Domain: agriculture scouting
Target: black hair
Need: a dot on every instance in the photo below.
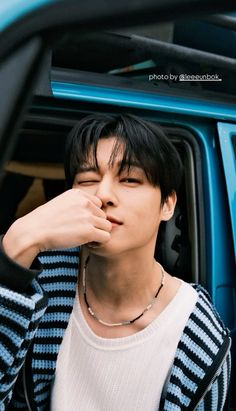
(144, 142)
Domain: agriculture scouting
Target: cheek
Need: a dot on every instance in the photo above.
(89, 189)
(145, 219)
(147, 206)
(148, 215)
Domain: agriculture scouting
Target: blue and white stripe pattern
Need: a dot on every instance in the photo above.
(197, 352)
(23, 319)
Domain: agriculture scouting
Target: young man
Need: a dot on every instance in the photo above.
(123, 334)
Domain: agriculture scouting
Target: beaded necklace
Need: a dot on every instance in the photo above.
(128, 322)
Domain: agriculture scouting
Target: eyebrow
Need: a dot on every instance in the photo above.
(87, 167)
(84, 168)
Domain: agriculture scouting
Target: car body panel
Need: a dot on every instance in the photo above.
(226, 133)
(173, 104)
(12, 10)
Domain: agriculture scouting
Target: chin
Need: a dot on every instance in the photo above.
(104, 250)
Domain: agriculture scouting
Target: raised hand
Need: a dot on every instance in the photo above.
(71, 219)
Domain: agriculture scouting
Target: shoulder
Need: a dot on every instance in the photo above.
(206, 314)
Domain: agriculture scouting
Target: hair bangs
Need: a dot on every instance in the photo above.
(137, 142)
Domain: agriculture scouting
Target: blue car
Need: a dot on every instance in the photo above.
(61, 61)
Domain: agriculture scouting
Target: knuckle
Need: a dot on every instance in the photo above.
(97, 201)
(91, 230)
(86, 202)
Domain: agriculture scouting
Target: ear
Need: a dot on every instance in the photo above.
(168, 207)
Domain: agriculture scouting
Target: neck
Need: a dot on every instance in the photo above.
(120, 283)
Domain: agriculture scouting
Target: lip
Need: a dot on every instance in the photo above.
(114, 221)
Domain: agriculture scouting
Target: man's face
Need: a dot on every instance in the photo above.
(130, 202)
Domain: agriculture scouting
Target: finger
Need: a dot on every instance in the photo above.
(102, 224)
(95, 200)
(100, 236)
(96, 211)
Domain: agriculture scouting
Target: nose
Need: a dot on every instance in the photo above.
(106, 191)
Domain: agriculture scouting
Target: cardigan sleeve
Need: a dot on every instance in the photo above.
(22, 305)
(216, 397)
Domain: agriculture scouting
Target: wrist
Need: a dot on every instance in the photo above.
(19, 244)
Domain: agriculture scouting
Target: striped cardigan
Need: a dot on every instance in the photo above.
(34, 319)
